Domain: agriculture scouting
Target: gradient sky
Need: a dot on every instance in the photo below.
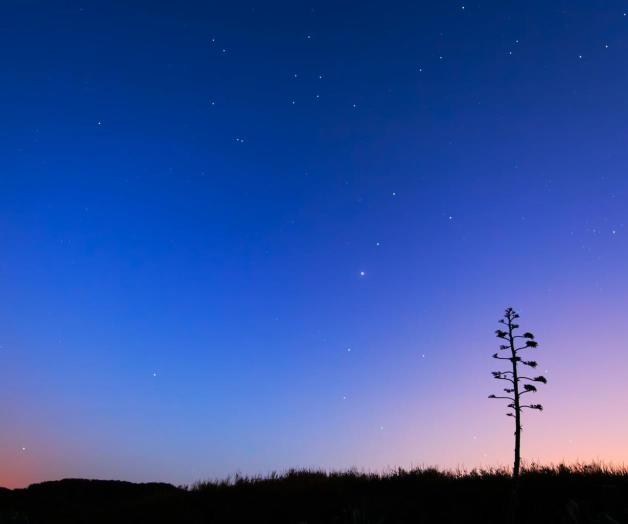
(240, 237)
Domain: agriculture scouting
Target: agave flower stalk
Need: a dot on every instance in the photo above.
(517, 384)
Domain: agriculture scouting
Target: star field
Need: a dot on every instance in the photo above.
(247, 237)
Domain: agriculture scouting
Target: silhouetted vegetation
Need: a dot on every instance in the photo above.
(518, 384)
(579, 494)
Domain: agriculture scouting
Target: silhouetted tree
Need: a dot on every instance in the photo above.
(518, 385)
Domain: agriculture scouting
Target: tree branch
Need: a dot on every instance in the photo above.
(507, 398)
(540, 378)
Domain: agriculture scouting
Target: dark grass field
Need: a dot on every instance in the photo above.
(561, 494)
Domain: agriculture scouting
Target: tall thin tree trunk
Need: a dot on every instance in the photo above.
(514, 499)
(517, 464)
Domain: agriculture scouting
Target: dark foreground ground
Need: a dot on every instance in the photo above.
(582, 494)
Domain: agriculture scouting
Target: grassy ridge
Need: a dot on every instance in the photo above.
(554, 494)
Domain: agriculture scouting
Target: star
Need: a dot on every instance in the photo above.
(362, 273)
(348, 350)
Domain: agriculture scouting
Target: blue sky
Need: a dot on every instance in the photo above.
(203, 206)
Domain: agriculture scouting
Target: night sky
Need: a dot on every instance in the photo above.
(242, 237)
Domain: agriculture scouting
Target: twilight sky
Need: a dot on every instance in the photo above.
(245, 236)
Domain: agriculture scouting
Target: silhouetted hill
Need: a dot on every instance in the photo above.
(584, 494)
(80, 500)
